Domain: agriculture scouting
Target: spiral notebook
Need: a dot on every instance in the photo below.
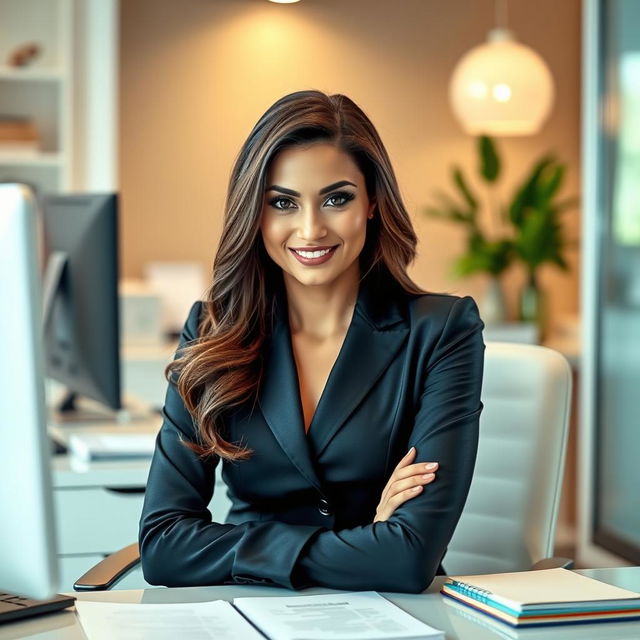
(549, 596)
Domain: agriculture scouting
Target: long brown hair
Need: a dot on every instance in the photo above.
(222, 368)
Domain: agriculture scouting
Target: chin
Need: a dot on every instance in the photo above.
(313, 279)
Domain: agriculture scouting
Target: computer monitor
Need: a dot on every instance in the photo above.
(28, 563)
(81, 298)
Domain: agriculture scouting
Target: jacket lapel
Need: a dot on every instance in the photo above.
(279, 400)
(377, 332)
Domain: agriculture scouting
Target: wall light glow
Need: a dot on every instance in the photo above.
(477, 89)
(502, 92)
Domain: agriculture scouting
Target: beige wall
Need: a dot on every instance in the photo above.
(196, 74)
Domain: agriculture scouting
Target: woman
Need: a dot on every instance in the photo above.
(328, 383)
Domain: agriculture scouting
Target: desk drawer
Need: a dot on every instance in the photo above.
(97, 519)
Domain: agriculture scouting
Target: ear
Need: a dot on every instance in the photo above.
(372, 206)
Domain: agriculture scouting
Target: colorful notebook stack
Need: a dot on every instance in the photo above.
(546, 597)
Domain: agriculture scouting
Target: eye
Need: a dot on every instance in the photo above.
(282, 204)
(339, 199)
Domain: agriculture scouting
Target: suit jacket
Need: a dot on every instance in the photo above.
(409, 373)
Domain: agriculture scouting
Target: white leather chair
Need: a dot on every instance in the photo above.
(509, 520)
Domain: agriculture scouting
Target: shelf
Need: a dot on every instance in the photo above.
(72, 104)
(28, 74)
(41, 159)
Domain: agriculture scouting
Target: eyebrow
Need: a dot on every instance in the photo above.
(330, 187)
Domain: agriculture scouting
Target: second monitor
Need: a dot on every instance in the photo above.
(81, 314)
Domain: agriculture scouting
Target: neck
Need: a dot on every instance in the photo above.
(323, 311)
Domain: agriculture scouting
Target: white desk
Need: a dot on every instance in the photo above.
(429, 607)
(98, 507)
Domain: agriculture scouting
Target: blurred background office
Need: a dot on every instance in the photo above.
(539, 222)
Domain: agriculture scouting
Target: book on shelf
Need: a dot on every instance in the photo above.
(363, 615)
(18, 135)
(19, 149)
(545, 597)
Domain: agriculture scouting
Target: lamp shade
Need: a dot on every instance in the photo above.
(501, 88)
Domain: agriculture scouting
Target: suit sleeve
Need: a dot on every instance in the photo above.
(403, 553)
(179, 543)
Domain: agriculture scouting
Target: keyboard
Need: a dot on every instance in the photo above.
(14, 607)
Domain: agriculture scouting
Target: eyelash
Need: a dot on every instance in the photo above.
(346, 197)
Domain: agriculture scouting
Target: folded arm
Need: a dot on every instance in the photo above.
(179, 543)
(403, 553)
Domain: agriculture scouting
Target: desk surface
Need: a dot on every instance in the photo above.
(429, 606)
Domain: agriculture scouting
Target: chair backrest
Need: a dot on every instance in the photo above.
(509, 520)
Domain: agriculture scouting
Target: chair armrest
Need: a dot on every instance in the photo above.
(110, 570)
(552, 563)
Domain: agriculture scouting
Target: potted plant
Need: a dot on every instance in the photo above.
(528, 230)
(539, 237)
(484, 254)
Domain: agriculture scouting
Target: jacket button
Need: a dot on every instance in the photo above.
(324, 507)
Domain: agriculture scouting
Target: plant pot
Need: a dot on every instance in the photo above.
(493, 309)
(532, 305)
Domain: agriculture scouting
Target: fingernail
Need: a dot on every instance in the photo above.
(428, 476)
(410, 450)
(416, 489)
(431, 466)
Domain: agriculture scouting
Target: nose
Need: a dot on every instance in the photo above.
(311, 225)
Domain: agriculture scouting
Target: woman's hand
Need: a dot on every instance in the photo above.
(406, 482)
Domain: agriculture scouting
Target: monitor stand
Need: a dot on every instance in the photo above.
(76, 413)
(56, 446)
(75, 409)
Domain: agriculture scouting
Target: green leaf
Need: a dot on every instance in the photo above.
(463, 188)
(527, 195)
(435, 213)
(553, 182)
(561, 262)
(452, 210)
(467, 264)
(540, 239)
(447, 214)
(483, 256)
(489, 159)
(531, 240)
(476, 241)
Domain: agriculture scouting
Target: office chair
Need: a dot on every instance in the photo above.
(509, 520)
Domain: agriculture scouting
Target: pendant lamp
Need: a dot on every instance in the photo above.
(501, 87)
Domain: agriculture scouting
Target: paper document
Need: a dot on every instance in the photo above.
(364, 615)
(197, 621)
(350, 616)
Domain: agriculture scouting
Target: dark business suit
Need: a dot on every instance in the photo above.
(409, 374)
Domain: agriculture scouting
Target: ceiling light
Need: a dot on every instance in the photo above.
(501, 87)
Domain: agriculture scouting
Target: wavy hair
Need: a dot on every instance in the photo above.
(222, 368)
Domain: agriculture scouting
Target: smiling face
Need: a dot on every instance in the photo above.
(314, 214)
